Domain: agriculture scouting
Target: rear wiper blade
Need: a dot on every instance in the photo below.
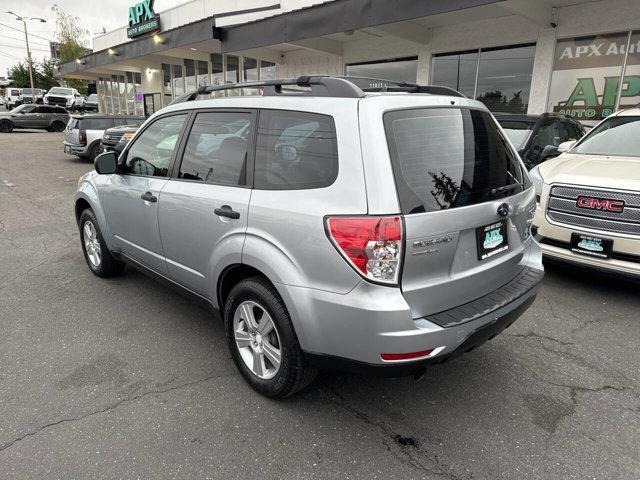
(506, 188)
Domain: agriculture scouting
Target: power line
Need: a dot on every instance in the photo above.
(22, 46)
(11, 56)
(7, 37)
(22, 31)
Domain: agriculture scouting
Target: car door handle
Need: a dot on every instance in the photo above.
(149, 197)
(227, 211)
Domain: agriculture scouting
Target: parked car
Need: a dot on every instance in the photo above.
(589, 211)
(2, 101)
(13, 98)
(340, 229)
(91, 103)
(52, 119)
(116, 138)
(84, 133)
(530, 134)
(62, 97)
(27, 98)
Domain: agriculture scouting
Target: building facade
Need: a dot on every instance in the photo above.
(580, 57)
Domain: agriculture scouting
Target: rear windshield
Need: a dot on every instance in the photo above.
(618, 136)
(517, 131)
(96, 123)
(449, 157)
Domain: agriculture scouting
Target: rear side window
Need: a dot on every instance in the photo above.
(216, 150)
(96, 123)
(295, 150)
(449, 157)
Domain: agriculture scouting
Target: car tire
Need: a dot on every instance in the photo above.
(94, 151)
(57, 126)
(6, 126)
(96, 252)
(258, 330)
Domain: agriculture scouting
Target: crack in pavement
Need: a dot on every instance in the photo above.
(538, 336)
(108, 408)
(404, 454)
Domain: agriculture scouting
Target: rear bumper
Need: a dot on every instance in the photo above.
(74, 149)
(351, 331)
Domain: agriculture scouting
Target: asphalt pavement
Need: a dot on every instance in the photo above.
(124, 378)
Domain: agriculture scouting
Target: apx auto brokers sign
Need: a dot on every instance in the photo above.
(587, 75)
(142, 19)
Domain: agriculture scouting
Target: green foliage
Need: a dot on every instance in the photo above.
(43, 74)
(70, 36)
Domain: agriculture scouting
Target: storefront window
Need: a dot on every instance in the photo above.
(122, 94)
(131, 94)
(137, 87)
(504, 78)
(102, 94)
(457, 71)
(499, 77)
(587, 75)
(267, 70)
(250, 68)
(178, 80)
(217, 71)
(398, 70)
(233, 64)
(190, 75)
(202, 72)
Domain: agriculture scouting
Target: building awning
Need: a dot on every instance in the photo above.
(335, 17)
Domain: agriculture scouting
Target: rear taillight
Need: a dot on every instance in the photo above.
(82, 137)
(372, 245)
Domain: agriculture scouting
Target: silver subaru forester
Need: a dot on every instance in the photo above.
(336, 223)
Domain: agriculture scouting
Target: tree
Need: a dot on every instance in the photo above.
(19, 73)
(70, 36)
(46, 74)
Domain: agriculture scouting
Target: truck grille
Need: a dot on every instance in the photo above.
(111, 138)
(57, 101)
(562, 207)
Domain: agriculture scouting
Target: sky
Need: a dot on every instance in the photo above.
(94, 15)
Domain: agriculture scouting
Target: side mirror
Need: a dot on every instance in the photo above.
(548, 152)
(566, 146)
(106, 163)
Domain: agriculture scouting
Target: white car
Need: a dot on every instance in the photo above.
(13, 97)
(62, 96)
(589, 198)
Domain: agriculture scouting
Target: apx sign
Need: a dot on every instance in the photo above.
(142, 19)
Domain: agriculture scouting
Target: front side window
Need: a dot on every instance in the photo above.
(615, 136)
(449, 157)
(216, 150)
(571, 130)
(548, 134)
(295, 150)
(152, 152)
(24, 109)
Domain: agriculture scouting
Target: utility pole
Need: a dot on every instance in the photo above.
(26, 39)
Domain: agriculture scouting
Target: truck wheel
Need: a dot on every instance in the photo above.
(57, 126)
(96, 252)
(6, 126)
(262, 340)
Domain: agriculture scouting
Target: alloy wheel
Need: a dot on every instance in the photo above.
(92, 244)
(257, 339)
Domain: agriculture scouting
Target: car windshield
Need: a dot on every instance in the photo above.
(619, 136)
(92, 98)
(517, 131)
(61, 91)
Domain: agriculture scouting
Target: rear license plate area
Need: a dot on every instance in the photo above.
(492, 239)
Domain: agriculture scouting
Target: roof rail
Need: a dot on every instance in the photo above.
(367, 84)
(323, 86)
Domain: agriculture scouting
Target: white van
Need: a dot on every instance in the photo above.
(13, 98)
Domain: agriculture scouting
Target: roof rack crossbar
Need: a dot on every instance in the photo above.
(324, 86)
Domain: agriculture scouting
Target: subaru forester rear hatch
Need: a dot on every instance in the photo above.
(466, 204)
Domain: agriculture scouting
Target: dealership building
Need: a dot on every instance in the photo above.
(580, 57)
